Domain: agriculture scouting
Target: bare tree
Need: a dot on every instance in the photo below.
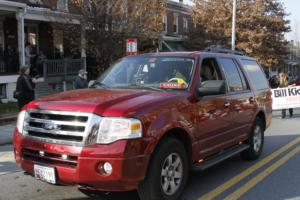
(108, 23)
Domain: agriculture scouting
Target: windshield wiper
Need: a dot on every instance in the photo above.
(98, 84)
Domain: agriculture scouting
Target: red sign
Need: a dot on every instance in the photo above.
(172, 86)
(131, 46)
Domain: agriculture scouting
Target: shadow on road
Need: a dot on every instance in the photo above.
(8, 167)
(111, 196)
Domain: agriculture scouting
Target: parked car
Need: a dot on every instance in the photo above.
(146, 122)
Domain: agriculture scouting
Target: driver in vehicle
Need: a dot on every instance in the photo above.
(206, 73)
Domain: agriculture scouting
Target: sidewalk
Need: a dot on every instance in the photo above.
(6, 133)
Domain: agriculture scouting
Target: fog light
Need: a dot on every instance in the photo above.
(64, 156)
(104, 168)
(107, 168)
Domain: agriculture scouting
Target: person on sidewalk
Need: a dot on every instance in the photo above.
(284, 82)
(81, 80)
(25, 87)
(274, 82)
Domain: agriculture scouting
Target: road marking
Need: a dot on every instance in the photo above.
(255, 180)
(234, 180)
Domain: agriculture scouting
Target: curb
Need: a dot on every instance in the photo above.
(8, 142)
(8, 119)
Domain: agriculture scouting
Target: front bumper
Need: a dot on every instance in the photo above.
(83, 168)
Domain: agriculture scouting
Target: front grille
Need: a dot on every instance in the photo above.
(54, 136)
(61, 117)
(57, 126)
(49, 158)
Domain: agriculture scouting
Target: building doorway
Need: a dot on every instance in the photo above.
(32, 36)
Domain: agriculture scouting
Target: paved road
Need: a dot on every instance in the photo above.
(274, 176)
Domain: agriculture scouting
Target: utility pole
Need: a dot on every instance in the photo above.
(233, 32)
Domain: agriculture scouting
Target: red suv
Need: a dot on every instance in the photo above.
(146, 122)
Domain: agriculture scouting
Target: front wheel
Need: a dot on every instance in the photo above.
(167, 173)
(255, 141)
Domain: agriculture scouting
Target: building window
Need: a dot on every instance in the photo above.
(31, 34)
(185, 25)
(165, 23)
(2, 91)
(62, 5)
(175, 23)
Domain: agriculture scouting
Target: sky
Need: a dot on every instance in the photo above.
(293, 8)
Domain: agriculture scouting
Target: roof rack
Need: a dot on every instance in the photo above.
(221, 50)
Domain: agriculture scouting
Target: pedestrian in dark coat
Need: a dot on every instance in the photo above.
(81, 80)
(274, 82)
(25, 87)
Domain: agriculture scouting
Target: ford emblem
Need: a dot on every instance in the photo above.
(50, 126)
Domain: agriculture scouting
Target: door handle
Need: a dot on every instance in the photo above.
(251, 100)
(226, 105)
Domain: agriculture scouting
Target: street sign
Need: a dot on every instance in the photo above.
(131, 46)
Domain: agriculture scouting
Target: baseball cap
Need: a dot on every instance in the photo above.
(82, 72)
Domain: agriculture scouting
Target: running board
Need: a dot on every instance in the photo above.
(224, 155)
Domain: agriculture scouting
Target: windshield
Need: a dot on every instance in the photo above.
(156, 73)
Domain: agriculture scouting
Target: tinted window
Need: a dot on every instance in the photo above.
(256, 74)
(242, 75)
(232, 74)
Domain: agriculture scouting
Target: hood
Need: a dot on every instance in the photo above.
(105, 102)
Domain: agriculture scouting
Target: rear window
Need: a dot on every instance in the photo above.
(256, 75)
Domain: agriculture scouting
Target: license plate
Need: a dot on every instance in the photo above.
(44, 173)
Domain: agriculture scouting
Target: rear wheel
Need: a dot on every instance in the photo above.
(167, 173)
(255, 141)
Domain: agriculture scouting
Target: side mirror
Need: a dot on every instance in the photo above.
(212, 87)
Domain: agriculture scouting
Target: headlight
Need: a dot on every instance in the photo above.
(20, 121)
(113, 129)
(110, 129)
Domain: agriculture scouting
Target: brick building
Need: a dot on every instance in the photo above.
(176, 25)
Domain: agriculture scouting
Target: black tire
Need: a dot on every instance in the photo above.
(254, 151)
(151, 187)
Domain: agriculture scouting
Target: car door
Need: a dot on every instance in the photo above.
(212, 115)
(241, 99)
